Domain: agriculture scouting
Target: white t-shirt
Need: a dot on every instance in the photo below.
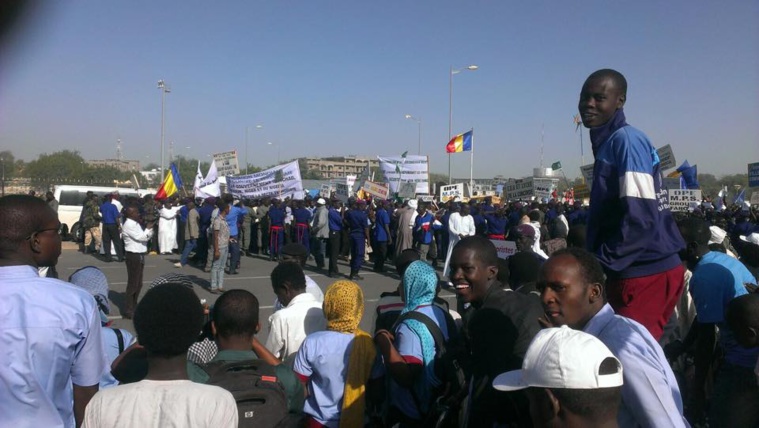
(289, 326)
(162, 404)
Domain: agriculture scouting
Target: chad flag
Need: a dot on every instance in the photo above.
(460, 143)
(171, 184)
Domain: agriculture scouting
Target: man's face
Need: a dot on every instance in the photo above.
(599, 100)
(567, 300)
(284, 295)
(45, 241)
(524, 243)
(470, 276)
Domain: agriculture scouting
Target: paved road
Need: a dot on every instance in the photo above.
(253, 276)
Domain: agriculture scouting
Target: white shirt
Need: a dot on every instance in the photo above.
(289, 326)
(135, 239)
(118, 204)
(312, 288)
(458, 225)
(159, 404)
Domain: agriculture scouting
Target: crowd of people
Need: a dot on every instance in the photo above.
(617, 314)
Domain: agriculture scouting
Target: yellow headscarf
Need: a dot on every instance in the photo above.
(344, 308)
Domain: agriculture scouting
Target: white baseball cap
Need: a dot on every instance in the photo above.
(752, 238)
(321, 201)
(562, 358)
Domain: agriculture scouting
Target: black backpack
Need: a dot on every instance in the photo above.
(260, 396)
(449, 367)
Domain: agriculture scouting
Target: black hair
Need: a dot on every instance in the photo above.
(503, 272)
(296, 250)
(590, 268)
(405, 258)
(168, 319)
(534, 215)
(744, 310)
(20, 216)
(694, 229)
(592, 403)
(221, 205)
(524, 268)
(235, 313)
(486, 251)
(228, 198)
(619, 80)
(290, 274)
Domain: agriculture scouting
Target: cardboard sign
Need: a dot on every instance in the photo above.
(671, 183)
(587, 174)
(521, 188)
(543, 188)
(680, 200)
(325, 191)
(342, 192)
(582, 191)
(753, 174)
(408, 190)
(666, 157)
(754, 198)
(451, 192)
(505, 249)
(226, 163)
(425, 198)
(377, 190)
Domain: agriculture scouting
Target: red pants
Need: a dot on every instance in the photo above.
(649, 300)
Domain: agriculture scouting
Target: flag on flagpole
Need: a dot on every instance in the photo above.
(577, 121)
(171, 184)
(198, 180)
(556, 165)
(460, 143)
(398, 165)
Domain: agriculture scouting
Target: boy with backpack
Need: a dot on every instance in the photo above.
(268, 394)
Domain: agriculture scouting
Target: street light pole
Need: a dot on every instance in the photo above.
(450, 107)
(278, 149)
(164, 90)
(246, 146)
(2, 160)
(418, 122)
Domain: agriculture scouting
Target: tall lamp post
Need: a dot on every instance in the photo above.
(246, 146)
(2, 160)
(164, 90)
(418, 122)
(450, 107)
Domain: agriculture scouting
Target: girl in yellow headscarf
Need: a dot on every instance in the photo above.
(336, 364)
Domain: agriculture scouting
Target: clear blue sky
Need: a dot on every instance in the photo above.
(329, 78)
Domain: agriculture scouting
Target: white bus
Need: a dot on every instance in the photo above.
(71, 199)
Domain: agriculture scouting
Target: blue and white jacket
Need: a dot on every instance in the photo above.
(630, 227)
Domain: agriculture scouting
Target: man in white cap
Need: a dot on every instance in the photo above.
(572, 380)
(320, 232)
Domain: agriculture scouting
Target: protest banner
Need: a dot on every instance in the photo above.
(666, 157)
(754, 198)
(281, 181)
(325, 191)
(377, 190)
(505, 249)
(451, 191)
(582, 191)
(226, 163)
(359, 181)
(413, 169)
(342, 192)
(680, 200)
(753, 174)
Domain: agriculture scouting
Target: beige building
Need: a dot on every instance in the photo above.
(336, 167)
(121, 165)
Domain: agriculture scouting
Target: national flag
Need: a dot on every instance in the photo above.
(460, 143)
(171, 184)
(556, 165)
(577, 121)
(398, 166)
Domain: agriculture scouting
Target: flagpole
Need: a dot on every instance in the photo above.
(471, 166)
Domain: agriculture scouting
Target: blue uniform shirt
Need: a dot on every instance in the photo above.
(301, 215)
(382, 219)
(357, 220)
(335, 220)
(276, 216)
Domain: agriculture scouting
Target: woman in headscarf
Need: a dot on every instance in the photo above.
(409, 353)
(336, 364)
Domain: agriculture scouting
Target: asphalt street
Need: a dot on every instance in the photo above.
(253, 276)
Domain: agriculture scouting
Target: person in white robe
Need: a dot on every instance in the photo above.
(167, 228)
(460, 225)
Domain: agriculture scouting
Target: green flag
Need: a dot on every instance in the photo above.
(404, 154)
(556, 165)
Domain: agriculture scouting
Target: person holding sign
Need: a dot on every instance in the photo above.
(630, 227)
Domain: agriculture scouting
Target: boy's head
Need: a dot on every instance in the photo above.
(235, 314)
(168, 320)
(288, 280)
(743, 319)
